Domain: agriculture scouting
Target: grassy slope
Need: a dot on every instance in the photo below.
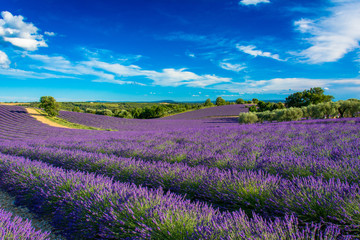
(66, 123)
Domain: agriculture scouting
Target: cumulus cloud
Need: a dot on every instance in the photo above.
(232, 67)
(24, 35)
(251, 50)
(253, 2)
(333, 36)
(4, 60)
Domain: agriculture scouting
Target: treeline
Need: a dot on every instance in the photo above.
(154, 111)
(348, 108)
(126, 110)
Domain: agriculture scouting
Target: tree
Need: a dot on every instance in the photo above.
(208, 103)
(349, 108)
(305, 98)
(50, 106)
(255, 100)
(253, 108)
(240, 101)
(220, 101)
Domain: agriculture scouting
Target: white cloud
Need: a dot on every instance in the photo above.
(24, 35)
(253, 2)
(22, 74)
(110, 72)
(333, 36)
(4, 60)
(167, 77)
(51, 34)
(232, 67)
(288, 85)
(250, 49)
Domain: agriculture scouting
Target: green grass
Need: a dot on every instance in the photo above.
(66, 123)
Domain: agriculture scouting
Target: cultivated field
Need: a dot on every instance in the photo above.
(183, 178)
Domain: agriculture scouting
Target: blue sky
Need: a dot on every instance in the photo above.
(187, 50)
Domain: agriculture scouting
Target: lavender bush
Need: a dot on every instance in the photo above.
(14, 227)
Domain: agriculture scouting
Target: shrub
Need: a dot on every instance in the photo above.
(289, 114)
(122, 114)
(90, 110)
(248, 117)
(106, 112)
(266, 116)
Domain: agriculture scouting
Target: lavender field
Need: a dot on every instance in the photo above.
(183, 178)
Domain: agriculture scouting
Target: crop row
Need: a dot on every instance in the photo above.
(92, 206)
(291, 151)
(312, 199)
(14, 227)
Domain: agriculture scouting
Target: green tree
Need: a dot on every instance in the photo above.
(220, 101)
(349, 108)
(253, 108)
(305, 98)
(255, 100)
(240, 101)
(208, 103)
(50, 106)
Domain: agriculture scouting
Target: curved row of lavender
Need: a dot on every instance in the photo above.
(16, 123)
(122, 124)
(89, 206)
(218, 111)
(14, 227)
(309, 170)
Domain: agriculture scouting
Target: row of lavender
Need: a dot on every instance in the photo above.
(330, 150)
(14, 227)
(87, 206)
(122, 124)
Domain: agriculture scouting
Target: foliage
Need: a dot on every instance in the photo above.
(288, 114)
(220, 101)
(122, 114)
(255, 100)
(134, 109)
(208, 103)
(248, 117)
(266, 106)
(90, 110)
(305, 98)
(50, 106)
(349, 108)
(76, 109)
(106, 112)
(240, 101)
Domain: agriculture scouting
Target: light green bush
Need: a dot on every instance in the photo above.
(248, 117)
